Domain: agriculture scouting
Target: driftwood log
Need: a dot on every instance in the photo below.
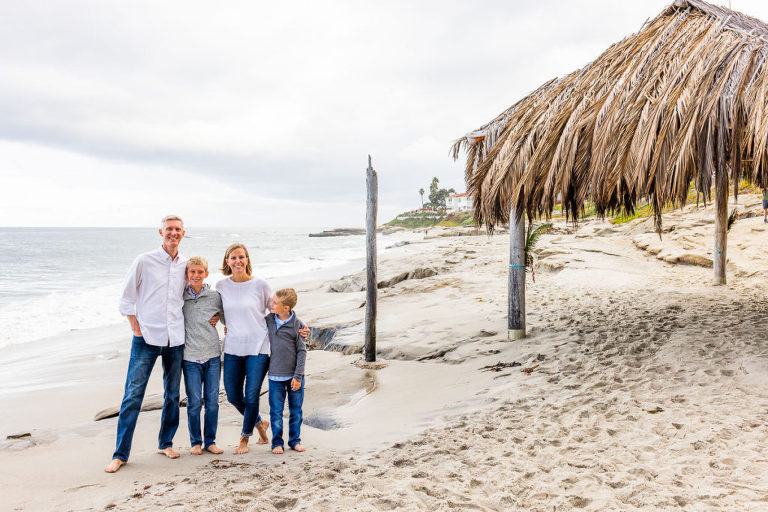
(151, 402)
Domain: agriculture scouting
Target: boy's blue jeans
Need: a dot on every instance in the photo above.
(278, 389)
(201, 381)
(143, 357)
(243, 376)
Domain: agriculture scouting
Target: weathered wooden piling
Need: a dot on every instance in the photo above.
(516, 313)
(372, 185)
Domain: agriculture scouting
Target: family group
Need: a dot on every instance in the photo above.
(173, 315)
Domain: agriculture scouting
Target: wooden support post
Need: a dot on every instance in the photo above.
(516, 315)
(721, 220)
(372, 184)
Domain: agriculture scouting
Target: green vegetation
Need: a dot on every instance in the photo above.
(531, 238)
(457, 219)
(427, 219)
(641, 212)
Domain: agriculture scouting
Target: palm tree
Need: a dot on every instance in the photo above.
(421, 193)
(531, 238)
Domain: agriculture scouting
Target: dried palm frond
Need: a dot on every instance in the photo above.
(654, 113)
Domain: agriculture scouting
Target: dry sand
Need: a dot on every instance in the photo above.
(650, 390)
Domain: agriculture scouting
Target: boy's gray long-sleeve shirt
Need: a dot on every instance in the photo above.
(289, 352)
(201, 339)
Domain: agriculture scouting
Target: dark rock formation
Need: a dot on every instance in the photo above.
(339, 232)
(356, 282)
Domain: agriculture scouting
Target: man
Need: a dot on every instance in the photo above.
(152, 301)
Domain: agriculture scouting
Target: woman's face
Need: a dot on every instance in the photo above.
(237, 261)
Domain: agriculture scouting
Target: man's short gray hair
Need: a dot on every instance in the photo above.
(171, 217)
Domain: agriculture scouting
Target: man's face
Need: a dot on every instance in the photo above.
(172, 233)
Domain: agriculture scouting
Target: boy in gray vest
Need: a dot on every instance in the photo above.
(286, 369)
(202, 356)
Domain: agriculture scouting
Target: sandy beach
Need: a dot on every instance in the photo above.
(646, 388)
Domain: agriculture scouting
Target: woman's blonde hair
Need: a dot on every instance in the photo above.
(226, 269)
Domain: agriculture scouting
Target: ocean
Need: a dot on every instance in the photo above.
(54, 280)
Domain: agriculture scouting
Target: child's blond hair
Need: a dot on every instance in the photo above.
(197, 260)
(287, 296)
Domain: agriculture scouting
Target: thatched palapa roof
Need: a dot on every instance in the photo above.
(665, 107)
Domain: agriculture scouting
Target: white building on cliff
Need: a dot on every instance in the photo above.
(459, 203)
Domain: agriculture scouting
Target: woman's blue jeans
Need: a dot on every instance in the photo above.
(143, 357)
(243, 376)
(201, 381)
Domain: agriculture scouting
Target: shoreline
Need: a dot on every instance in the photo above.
(644, 390)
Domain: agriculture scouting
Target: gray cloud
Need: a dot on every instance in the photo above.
(261, 94)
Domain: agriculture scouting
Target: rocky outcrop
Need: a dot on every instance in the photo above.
(350, 283)
(419, 273)
(339, 232)
(671, 252)
(356, 282)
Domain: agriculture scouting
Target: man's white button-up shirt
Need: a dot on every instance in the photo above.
(154, 292)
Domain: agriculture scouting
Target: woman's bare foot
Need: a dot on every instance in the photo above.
(215, 449)
(169, 452)
(196, 450)
(277, 450)
(242, 447)
(262, 429)
(299, 448)
(114, 466)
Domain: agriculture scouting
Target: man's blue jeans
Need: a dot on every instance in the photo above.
(277, 391)
(243, 376)
(201, 381)
(142, 360)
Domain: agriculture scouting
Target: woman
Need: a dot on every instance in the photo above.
(246, 344)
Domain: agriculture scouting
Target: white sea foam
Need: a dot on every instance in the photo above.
(59, 312)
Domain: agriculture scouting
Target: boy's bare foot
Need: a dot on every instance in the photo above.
(114, 466)
(215, 449)
(242, 447)
(299, 448)
(196, 450)
(169, 452)
(277, 450)
(262, 429)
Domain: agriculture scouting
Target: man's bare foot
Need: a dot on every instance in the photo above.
(299, 448)
(277, 450)
(262, 429)
(196, 450)
(242, 447)
(169, 452)
(114, 466)
(215, 449)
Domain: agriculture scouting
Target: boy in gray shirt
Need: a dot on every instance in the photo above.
(286, 369)
(202, 356)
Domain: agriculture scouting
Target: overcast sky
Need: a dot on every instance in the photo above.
(260, 113)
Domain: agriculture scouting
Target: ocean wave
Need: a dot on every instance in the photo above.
(59, 312)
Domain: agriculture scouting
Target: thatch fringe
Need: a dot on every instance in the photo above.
(653, 114)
